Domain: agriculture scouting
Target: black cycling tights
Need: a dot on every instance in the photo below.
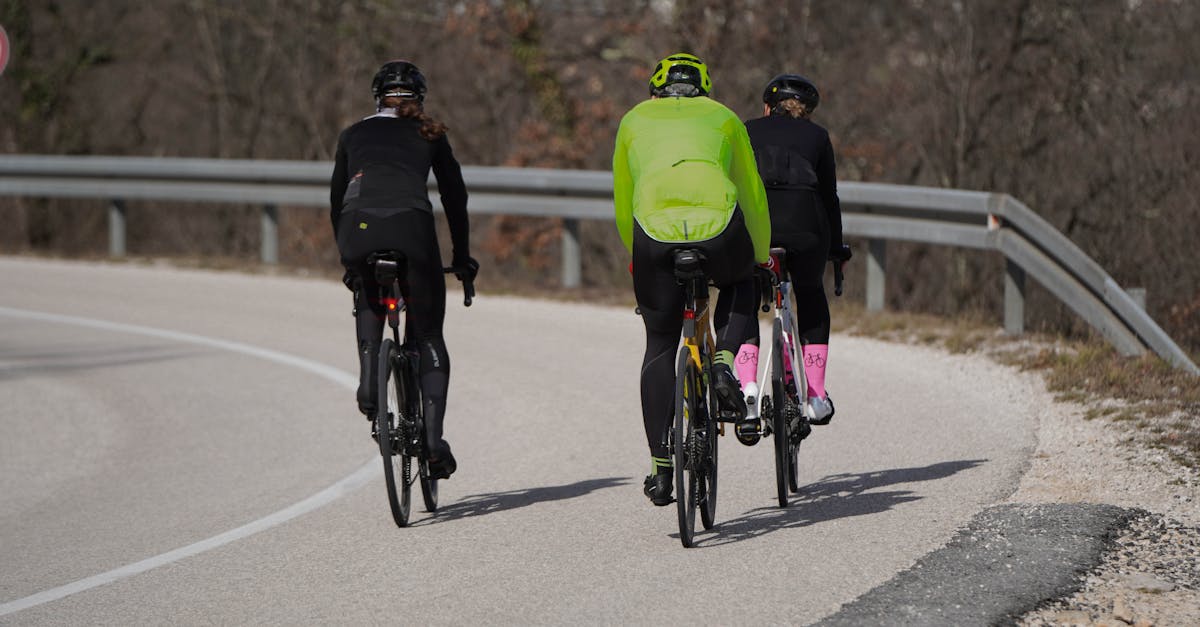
(806, 267)
(799, 224)
(424, 288)
(660, 298)
(733, 318)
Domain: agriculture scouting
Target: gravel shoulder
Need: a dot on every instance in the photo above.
(1149, 575)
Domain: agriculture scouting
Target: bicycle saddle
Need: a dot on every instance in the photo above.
(388, 264)
(689, 264)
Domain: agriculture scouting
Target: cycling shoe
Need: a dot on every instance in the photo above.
(657, 488)
(441, 462)
(820, 410)
(729, 392)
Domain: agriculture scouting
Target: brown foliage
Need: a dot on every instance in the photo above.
(1083, 109)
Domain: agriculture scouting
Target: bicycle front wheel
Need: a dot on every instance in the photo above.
(683, 442)
(391, 432)
(779, 417)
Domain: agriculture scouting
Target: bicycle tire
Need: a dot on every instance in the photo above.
(390, 434)
(708, 477)
(779, 417)
(429, 487)
(795, 407)
(682, 441)
(416, 412)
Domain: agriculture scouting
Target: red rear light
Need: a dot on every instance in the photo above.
(688, 314)
(391, 304)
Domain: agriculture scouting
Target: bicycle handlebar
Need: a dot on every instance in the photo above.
(468, 283)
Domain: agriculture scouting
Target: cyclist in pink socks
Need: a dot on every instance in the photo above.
(795, 161)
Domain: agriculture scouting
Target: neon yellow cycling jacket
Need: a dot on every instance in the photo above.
(680, 166)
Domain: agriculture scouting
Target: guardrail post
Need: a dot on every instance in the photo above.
(116, 228)
(1014, 298)
(876, 273)
(270, 234)
(571, 258)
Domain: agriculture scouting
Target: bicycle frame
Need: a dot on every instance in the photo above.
(794, 352)
(697, 327)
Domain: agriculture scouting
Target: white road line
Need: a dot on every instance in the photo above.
(343, 487)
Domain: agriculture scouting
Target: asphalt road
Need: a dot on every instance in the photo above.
(182, 446)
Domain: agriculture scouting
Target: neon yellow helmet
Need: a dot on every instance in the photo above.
(680, 70)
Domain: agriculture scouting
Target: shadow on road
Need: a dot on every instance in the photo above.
(480, 504)
(831, 498)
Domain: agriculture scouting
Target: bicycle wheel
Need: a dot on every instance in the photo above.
(798, 427)
(416, 409)
(429, 487)
(683, 441)
(779, 417)
(390, 431)
(707, 427)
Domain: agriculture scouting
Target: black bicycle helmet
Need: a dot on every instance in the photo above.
(398, 78)
(794, 86)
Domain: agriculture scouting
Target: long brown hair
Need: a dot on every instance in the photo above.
(431, 129)
(790, 107)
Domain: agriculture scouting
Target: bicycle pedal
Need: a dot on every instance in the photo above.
(747, 432)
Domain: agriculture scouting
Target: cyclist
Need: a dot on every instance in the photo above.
(379, 202)
(795, 161)
(684, 175)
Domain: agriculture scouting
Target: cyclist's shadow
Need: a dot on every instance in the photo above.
(833, 497)
(480, 504)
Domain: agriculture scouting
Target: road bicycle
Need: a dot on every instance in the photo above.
(786, 413)
(399, 418)
(693, 436)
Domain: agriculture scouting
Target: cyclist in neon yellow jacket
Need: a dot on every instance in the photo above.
(684, 176)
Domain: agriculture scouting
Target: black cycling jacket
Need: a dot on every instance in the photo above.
(383, 162)
(796, 154)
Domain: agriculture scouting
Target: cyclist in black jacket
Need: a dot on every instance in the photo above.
(795, 160)
(378, 201)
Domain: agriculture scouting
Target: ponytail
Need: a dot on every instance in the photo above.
(431, 128)
(790, 107)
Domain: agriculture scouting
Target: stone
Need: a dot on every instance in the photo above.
(1072, 617)
(1121, 611)
(1143, 582)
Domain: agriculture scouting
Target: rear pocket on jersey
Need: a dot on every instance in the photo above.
(780, 166)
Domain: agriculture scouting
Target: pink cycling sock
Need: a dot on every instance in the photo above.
(747, 364)
(815, 357)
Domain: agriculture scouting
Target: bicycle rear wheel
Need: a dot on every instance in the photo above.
(391, 433)
(683, 437)
(707, 429)
(779, 418)
(798, 427)
(415, 412)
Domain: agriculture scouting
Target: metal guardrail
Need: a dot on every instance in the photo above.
(878, 212)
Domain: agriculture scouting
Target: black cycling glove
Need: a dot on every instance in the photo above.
(466, 263)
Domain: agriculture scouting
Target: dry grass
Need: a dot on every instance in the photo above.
(1161, 402)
